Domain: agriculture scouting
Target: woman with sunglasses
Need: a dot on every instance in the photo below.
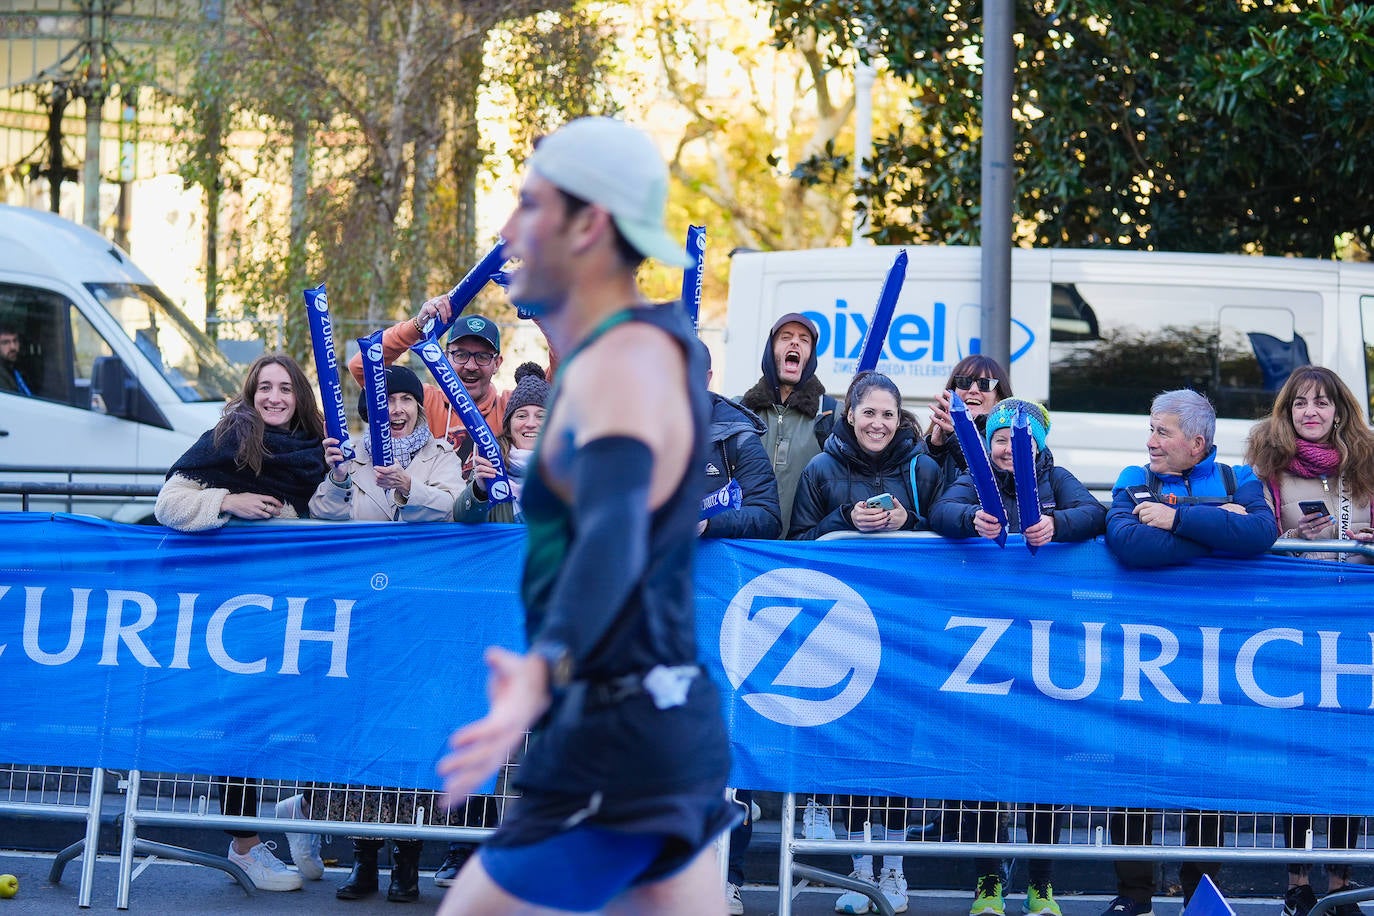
(981, 382)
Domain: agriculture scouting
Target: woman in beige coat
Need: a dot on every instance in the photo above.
(420, 487)
(1315, 446)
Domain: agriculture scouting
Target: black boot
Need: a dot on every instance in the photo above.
(362, 880)
(405, 874)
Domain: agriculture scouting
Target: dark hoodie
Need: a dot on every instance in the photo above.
(796, 428)
(845, 473)
(737, 452)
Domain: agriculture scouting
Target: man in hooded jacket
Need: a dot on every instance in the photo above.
(793, 404)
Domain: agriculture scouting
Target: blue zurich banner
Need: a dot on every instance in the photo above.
(919, 667)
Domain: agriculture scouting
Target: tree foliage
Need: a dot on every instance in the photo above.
(1175, 124)
(346, 136)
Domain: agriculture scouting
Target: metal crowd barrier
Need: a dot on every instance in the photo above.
(935, 827)
(923, 827)
(333, 809)
(63, 483)
(64, 794)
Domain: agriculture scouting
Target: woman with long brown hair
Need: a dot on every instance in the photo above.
(262, 460)
(1316, 446)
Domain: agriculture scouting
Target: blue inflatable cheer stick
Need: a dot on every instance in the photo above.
(976, 456)
(882, 315)
(461, 296)
(432, 355)
(691, 277)
(327, 367)
(378, 407)
(1023, 469)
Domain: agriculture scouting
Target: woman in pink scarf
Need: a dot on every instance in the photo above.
(1317, 446)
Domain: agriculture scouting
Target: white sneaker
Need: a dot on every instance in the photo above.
(266, 871)
(733, 904)
(853, 901)
(816, 823)
(893, 886)
(305, 847)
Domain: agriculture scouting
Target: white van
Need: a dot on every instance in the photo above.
(1095, 334)
(118, 377)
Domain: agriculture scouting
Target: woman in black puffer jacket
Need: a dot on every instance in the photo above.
(876, 450)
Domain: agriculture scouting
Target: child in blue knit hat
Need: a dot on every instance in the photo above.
(1068, 512)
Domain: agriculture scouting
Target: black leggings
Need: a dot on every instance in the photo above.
(238, 795)
(1341, 833)
(981, 822)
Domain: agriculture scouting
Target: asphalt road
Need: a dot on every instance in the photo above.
(183, 890)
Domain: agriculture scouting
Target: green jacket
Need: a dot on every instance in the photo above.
(796, 432)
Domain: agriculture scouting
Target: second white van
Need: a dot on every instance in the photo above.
(1095, 334)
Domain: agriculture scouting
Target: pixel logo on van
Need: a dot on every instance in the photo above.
(912, 338)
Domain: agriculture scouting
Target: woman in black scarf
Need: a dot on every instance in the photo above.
(263, 459)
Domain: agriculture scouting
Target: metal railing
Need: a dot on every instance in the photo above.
(62, 794)
(1002, 831)
(332, 809)
(63, 482)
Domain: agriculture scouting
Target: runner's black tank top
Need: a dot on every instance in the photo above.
(655, 625)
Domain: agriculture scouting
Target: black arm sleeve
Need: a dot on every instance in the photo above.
(610, 543)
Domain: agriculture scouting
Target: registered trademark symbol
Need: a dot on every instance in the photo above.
(380, 581)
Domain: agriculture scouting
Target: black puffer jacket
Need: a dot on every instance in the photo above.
(843, 474)
(950, 455)
(1077, 515)
(737, 451)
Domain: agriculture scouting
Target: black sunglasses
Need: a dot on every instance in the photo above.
(967, 382)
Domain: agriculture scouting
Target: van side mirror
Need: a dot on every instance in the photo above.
(112, 384)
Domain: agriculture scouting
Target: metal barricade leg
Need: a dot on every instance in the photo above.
(92, 851)
(87, 847)
(789, 807)
(126, 841)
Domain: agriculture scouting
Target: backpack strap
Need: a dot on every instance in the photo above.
(825, 419)
(1228, 480)
(1228, 477)
(915, 493)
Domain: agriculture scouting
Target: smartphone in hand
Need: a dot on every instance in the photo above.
(881, 501)
(1309, 506)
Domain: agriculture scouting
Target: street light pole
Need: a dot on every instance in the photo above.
(94, 92)
(864, 75)
(998, 182)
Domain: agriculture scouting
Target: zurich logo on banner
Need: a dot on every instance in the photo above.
(322, 302)
(374, 352)
(801, 647)
(432, 351)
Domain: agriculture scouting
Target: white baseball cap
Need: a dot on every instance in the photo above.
(617, 167)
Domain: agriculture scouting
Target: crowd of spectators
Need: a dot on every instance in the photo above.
(808, 465)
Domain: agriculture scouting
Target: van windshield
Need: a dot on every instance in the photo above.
(190, 362)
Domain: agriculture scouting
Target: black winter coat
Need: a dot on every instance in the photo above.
(1077, 515)
(844, 473)
(737, 451)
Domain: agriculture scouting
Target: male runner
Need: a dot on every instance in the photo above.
(622, 787)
